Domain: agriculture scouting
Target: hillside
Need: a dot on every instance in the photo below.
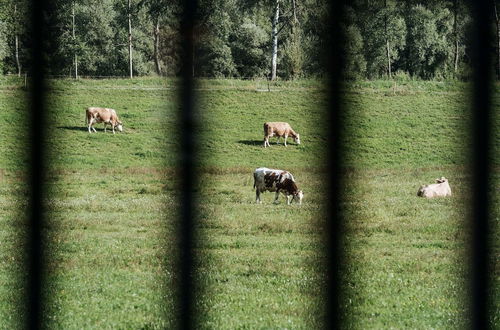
(112, 205)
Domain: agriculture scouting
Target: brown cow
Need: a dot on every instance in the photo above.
(279, 129)
(103, 115)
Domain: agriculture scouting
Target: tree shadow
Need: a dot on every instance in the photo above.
(251, 142)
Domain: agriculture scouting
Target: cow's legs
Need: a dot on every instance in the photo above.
(91, 122)
(286, 137)
(257, 196)
(289, 199)
(276, 197)
(278, 140)
(113, 126)
(266, 141)
(105, 126)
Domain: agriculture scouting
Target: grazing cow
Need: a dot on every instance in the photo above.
(266, 179)
(279, 129)
(439, 189)
(103, 115)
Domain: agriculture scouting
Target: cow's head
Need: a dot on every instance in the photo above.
(297, 139)
(297, 197)
(441, 179)
(120, 126)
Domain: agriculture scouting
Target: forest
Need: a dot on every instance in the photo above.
(276, 39)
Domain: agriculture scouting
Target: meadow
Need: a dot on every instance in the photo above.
(110, 233)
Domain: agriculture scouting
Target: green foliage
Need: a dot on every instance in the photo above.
(14, 19)
(233, 38)
(215, 59)
(355, 63)
(249, 49)
(292, 62)
(380, 25)
(427, 51)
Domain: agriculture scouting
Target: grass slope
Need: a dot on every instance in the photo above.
(112, 207)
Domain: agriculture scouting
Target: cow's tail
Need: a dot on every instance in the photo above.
(254, 180)
(86, 116)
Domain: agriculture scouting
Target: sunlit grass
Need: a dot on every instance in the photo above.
(112, 203)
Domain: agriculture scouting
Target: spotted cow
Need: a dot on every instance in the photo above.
(278, 181)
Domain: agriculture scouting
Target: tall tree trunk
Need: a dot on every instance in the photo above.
(275, 40)
(130, 41)
(497, 21)
(156, 33)
(17, 57)
(74, 39)
(389, 69)
(16, 37)
(387, 45)
(455, 35)
(294, 11)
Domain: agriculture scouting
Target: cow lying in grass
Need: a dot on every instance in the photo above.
(103, 115)
(280, 181)
(279, 129)
(439, 189)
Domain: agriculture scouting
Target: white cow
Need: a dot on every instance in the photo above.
(103, 115)
(279, 129)
(439, 189)
(280, 181)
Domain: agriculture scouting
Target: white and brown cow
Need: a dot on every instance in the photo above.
(279, 129)
(439, 189)
(279, 181)
(103, 115)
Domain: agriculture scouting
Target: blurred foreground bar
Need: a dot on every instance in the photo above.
(186, 170)
(334, 218)
(34, 246)
(481, 109)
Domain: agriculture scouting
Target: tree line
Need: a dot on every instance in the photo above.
(283, 39)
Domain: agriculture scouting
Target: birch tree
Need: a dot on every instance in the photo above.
(497, 25)
(387, 44)
(455, 35)
(274, 38)
(129, 15)
(17, 25)
(73, 28)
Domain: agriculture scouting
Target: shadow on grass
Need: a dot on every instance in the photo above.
(75, 128)
(251, 142)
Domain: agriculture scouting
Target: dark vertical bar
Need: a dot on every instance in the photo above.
(36, 137)
(334, 219)
(483, 69)
(187, 160)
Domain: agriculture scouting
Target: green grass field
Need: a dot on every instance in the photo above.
(112, 206)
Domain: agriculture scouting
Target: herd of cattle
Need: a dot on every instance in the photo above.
(265, 179)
